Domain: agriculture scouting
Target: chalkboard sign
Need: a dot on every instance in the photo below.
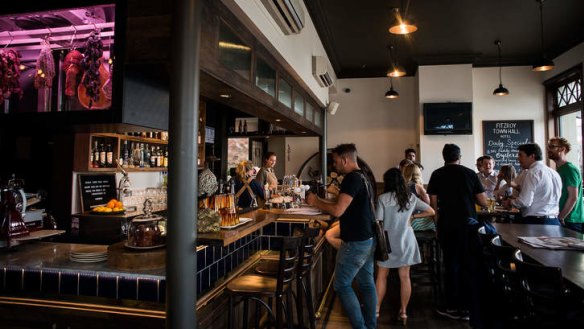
(501, 139)
(96, 189)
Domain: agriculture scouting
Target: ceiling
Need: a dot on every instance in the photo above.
(356, 38)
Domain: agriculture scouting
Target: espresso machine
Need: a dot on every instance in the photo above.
(12, 204)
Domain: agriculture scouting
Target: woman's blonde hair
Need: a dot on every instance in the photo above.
(412, 173)
(242, 168)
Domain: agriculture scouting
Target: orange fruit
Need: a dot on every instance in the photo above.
(119, 204)
(111, 204)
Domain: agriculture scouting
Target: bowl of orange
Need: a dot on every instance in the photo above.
(113, 207)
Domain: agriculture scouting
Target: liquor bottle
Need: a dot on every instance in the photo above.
(125, 154)
(153, 157)
(141, 150)
(245, 126)
(146, 156)
(95, 155)
(240, 127)
(131, 155)
(165, 162)
(109, 156)
(102, 156)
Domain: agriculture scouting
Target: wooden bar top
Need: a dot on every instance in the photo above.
(228, 236)
(298, 213)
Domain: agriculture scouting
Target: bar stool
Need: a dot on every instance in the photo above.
(303, 275)
(428, 271)
(256, 287)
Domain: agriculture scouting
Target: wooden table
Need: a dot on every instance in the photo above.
(570, 261)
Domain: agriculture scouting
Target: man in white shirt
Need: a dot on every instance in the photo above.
(487, 175)
(540, 190)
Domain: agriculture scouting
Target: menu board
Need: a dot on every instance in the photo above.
(501, 139)
(96, 189)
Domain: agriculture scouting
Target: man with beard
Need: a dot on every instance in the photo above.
(571, 200)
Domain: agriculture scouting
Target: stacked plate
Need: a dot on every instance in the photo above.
(88, 254)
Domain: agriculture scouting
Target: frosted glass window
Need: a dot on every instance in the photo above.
(298, 104)
(265, 77)
(309, 112)
(285, 93)
(234, 53)
(318, 118)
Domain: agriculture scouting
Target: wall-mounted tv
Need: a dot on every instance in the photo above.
(447, 118)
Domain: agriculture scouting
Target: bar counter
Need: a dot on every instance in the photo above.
(41, 274)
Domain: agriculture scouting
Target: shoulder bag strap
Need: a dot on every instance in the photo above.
(369, 193)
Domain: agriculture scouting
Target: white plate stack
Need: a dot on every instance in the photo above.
(88, 254)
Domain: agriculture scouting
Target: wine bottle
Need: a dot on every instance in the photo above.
(102, 156)
(95, 157)
(109, 156)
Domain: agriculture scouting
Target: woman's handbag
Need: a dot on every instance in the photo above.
(382, 247)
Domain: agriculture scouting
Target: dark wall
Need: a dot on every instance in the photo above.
(45, 161)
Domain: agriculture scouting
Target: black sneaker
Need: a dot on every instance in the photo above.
(451, 314)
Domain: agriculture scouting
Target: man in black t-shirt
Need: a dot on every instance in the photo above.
(355, 256)
(453, 191)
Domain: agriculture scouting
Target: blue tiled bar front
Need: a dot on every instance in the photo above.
(43, 271)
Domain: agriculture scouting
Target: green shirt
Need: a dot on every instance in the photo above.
(571, 176)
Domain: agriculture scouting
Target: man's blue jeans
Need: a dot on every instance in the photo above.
(355, 261)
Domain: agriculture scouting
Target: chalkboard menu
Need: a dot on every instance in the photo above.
(96, 189)
(501, 139)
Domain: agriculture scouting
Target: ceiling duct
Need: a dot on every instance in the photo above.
(320, 71)
(288, 14)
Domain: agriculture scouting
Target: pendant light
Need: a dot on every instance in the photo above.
(401, 25)
(543, 63)
(391, 93)
(395, 70)
(501, 91)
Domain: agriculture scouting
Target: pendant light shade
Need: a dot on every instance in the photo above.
(391, 93)
(500, 91)
(401, 25)
(395, 70)
(543, 63)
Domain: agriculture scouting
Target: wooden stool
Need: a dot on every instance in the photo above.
(256, 287)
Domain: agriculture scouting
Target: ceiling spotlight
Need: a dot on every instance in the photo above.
(391, 93)
(401, 25)
(501, 91)
(543, 63)
(225, 95)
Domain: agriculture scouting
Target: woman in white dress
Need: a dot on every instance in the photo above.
(397, 206)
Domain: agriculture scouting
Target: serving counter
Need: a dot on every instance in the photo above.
(41, 277)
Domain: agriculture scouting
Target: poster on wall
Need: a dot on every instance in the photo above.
(502, 137)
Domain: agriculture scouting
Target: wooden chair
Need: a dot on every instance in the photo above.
(303, 275)
(275, 288)
(550, 302)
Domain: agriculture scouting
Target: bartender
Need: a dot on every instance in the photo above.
(266, 174)
(248, 191)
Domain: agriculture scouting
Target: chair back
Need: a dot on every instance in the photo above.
(306, 251)
(288, 261)
(539, 281)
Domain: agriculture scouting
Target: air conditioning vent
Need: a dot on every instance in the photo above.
(288, 14)
(320, 71)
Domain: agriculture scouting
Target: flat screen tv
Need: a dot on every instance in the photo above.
(447, 118)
